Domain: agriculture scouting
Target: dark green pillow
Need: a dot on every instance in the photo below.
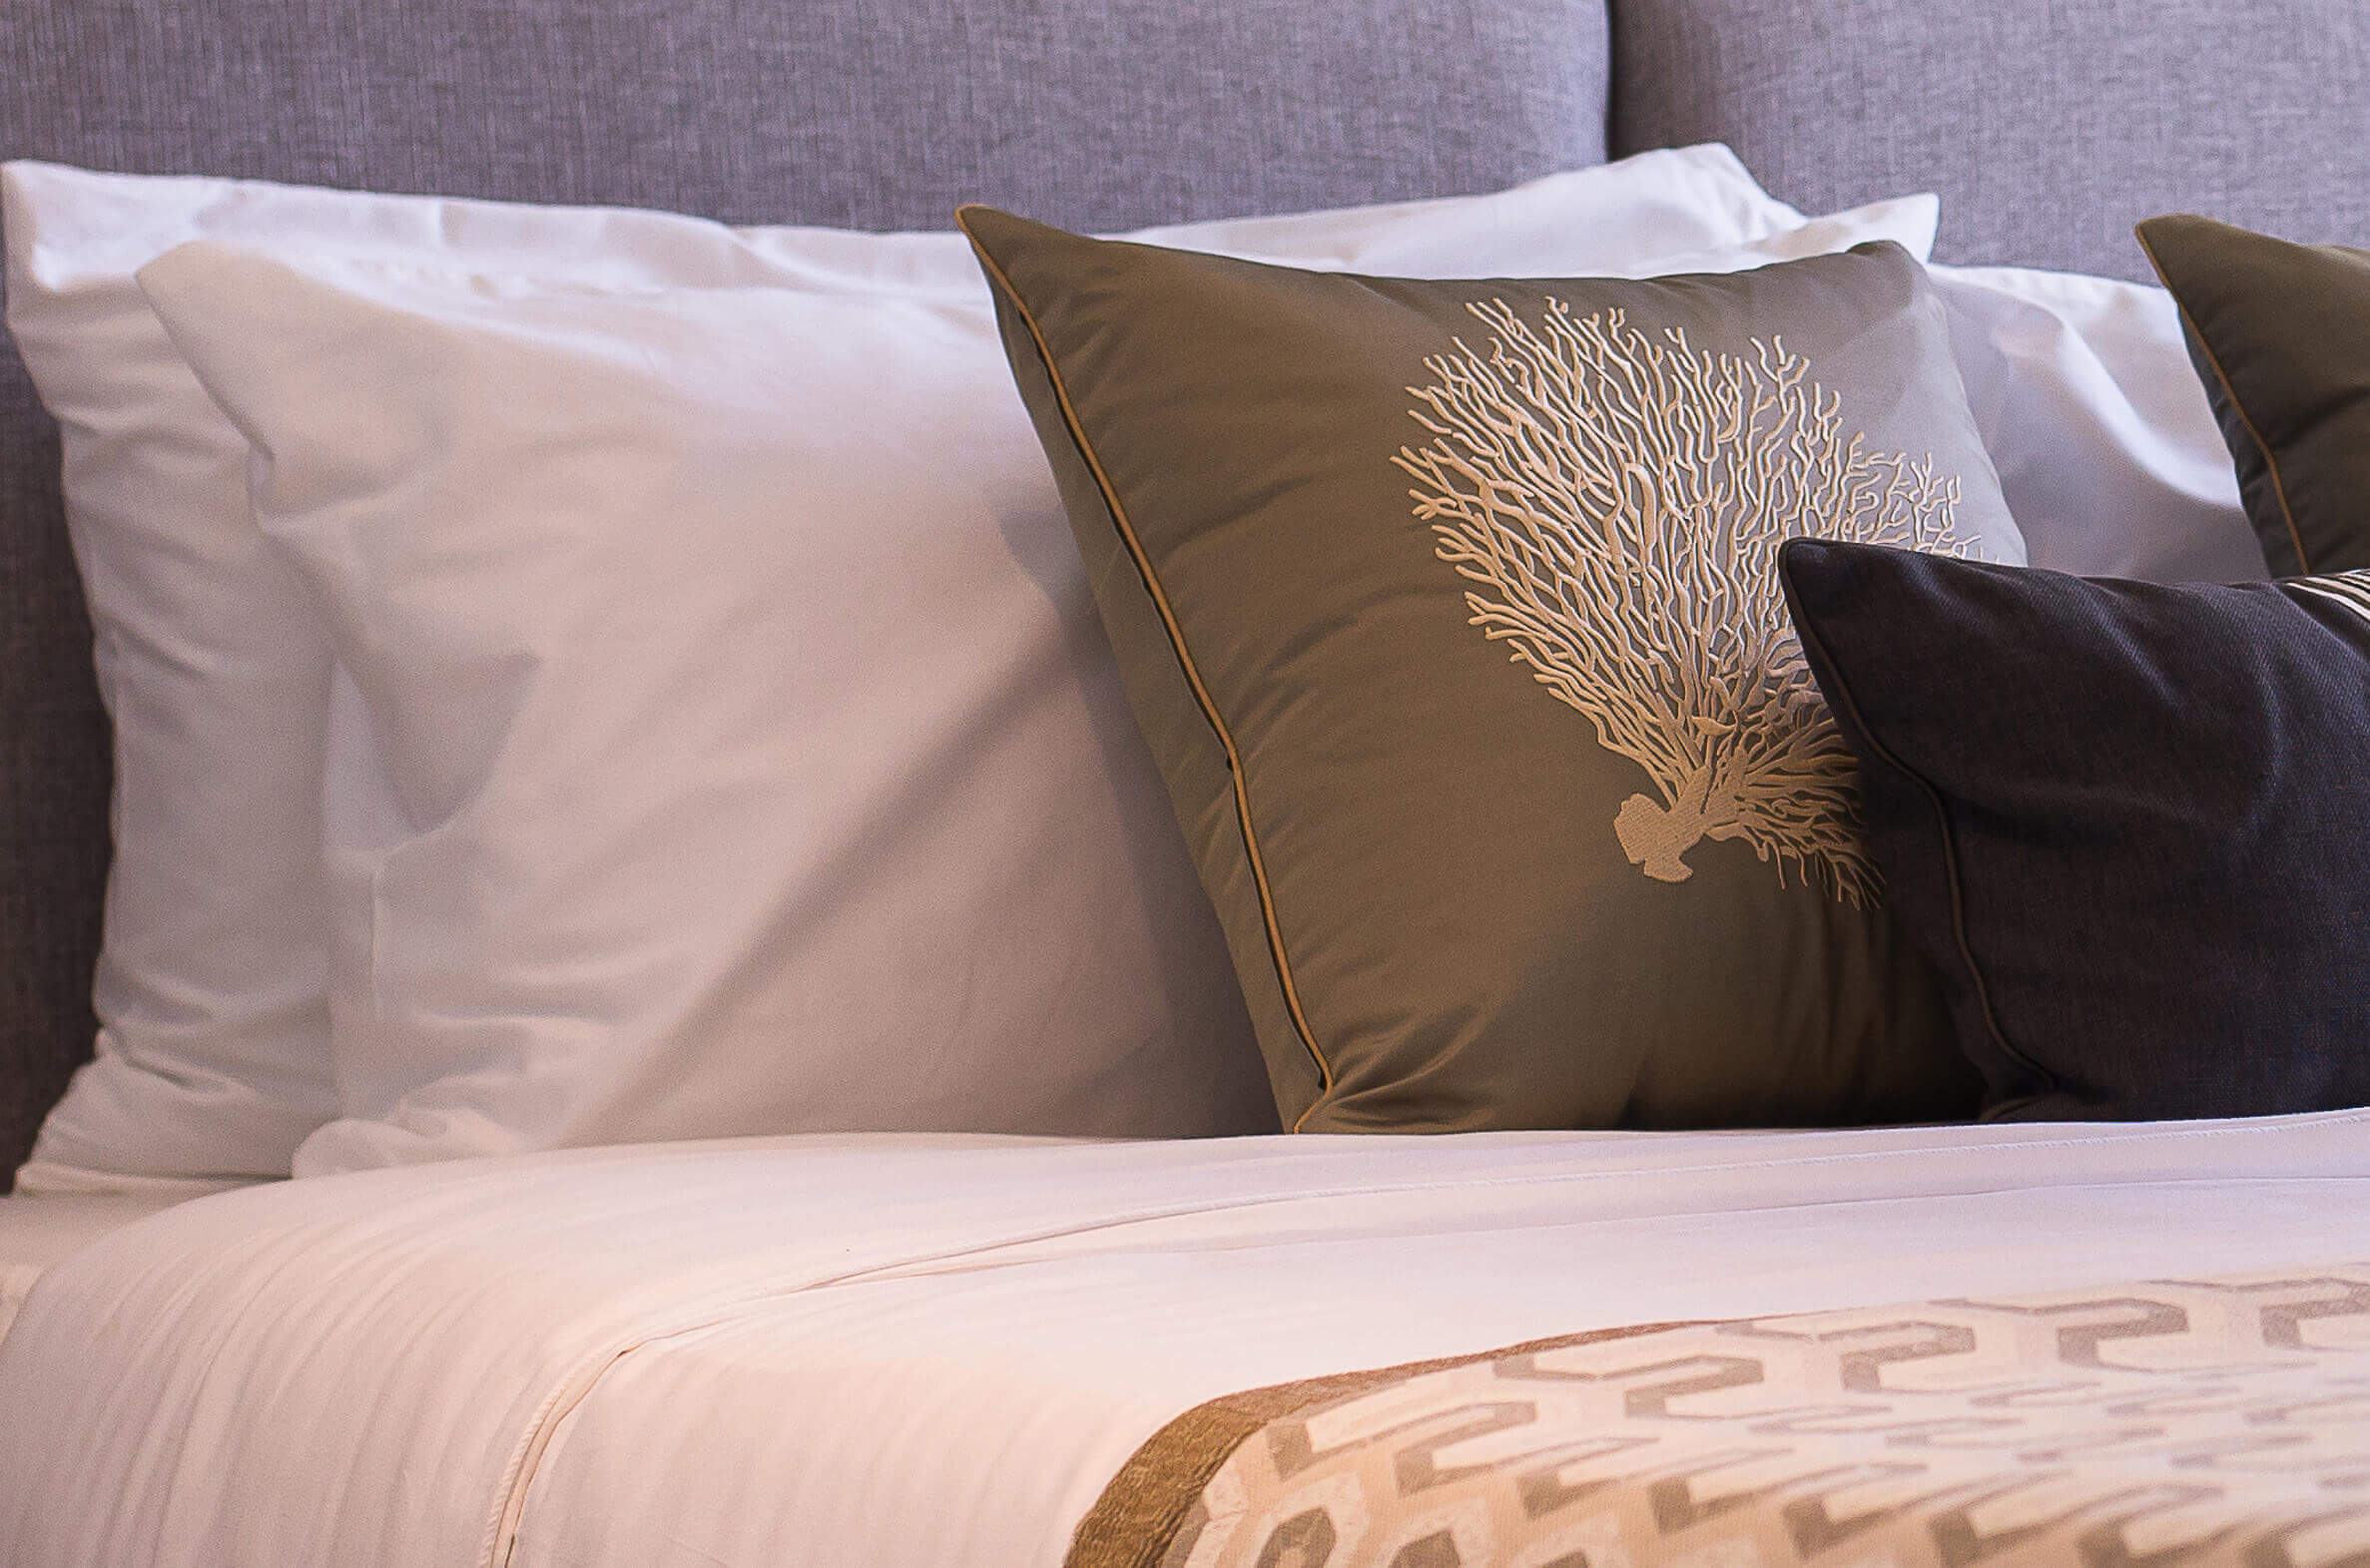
(1451, 612)
(2280, 334)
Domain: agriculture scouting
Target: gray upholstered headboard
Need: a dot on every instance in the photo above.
(2049, 127)
(866, 113)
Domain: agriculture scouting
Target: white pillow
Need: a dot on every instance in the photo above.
(213, 1052)
(2107, 449)
(730, 744)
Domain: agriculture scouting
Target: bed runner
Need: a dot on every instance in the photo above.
(2221, 1420)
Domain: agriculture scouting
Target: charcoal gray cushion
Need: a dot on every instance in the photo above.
(2049, 127)
(2123, 820)
(1104, 112)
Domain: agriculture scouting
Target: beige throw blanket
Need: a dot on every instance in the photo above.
(2183, 1421)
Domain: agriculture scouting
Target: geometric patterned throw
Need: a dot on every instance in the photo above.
(2175, 1422)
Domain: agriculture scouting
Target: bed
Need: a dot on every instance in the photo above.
(1119, 1314)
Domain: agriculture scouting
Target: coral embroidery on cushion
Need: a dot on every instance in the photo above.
(1618, 497)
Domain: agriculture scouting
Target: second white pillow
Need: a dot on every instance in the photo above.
(2108, 451)
(701, 703)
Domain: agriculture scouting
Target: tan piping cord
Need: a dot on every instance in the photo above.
(2279, 489)
(1201, 694)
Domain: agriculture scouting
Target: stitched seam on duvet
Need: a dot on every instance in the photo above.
(518, 1475)
(987, 1258)
(1123, 1222)
(1547, 1179)
(501, 1542)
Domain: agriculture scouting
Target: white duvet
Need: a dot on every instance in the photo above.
(898, 1353)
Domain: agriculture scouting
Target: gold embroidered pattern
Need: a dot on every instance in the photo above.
(1618, 497)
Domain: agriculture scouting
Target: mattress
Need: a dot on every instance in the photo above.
(900, 1353)
(36, 1231)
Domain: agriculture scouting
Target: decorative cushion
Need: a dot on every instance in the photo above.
(2123, 818)
(2280, 334)
(703, 763)
(1449, 610)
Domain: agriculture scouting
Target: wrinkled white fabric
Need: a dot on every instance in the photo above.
(902, 1353)
(725, 740)
(2107, 447)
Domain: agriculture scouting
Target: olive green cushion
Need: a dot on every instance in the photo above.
(2280, 334)
(1449, 611)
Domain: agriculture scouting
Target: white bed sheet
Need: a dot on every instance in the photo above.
(900, 1353)
(39, 1231)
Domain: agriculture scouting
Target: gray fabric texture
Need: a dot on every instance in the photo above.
(860, 113)
(2049, 127)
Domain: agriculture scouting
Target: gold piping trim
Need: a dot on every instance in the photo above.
(1176, 633)
(2279, 488)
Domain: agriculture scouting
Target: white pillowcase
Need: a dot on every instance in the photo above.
(730, 744)
(213, 1055)
(2107, 448)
